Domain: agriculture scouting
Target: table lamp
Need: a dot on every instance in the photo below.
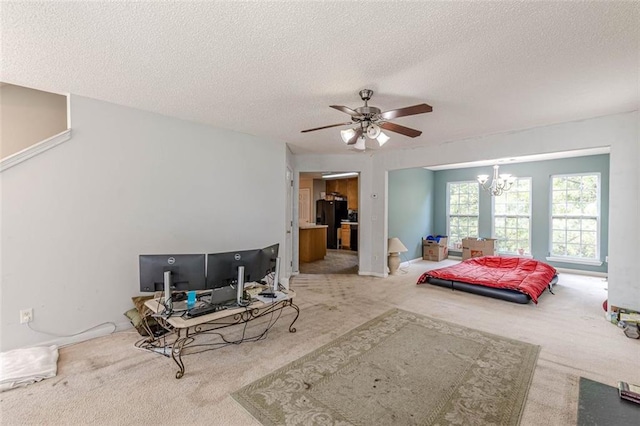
(395, 247)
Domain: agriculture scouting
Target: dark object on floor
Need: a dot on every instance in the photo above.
(514, 279)
(599, 404)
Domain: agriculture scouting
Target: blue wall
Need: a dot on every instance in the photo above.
(411, 208)
(540, 173)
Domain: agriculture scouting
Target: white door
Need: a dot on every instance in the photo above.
(304, 206)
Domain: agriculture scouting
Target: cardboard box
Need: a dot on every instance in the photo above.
(435, 250)
(473, 247)
(442, 242)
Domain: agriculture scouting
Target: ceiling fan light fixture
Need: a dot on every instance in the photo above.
(382, 138)
(366, 119)
(373, 131)
(347, 134)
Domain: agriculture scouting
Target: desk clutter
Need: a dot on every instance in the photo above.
(205, 302)
(197, 303)
(200, 328)
(197, 294)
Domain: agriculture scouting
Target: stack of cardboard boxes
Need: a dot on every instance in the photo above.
(435, 250)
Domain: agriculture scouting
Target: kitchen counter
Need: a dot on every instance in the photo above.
(312, 226)
(348, 223)
(313, 242)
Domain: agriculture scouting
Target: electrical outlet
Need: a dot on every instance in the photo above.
(26, 315)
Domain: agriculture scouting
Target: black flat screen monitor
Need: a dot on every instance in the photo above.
(187, 271)
(268, 257)
(222, 268)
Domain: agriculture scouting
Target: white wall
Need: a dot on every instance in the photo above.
(624, 216)
(75, 218)
(619, 131)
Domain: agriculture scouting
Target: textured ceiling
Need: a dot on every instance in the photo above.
(273, 68)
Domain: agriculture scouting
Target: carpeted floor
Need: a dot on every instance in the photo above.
(335, 262)
(108, 381)
(399, 369)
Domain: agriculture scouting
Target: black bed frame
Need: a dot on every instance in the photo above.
(497, 293)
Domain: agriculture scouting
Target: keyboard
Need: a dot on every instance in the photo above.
(204, 310)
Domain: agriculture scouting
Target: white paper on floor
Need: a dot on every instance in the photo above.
(21, 367)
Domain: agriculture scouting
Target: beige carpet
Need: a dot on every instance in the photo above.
(399, 369)
(335, 262)
(108, 381)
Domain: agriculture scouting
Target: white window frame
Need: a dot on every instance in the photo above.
(527, 252)
(451, 243)
(553, 257)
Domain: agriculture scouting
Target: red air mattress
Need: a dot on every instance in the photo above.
(527, 276)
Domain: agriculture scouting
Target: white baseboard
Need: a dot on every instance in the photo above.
(582, 272)
(372, 274)
(410, 261)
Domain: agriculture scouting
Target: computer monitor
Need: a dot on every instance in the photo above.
(187, 271)
(268, 257)
(222, 268)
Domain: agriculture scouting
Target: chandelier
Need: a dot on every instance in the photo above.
(499, 184)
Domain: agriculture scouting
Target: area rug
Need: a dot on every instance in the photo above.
(400, 368)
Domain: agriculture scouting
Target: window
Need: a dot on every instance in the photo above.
(512, 218)
(462, 212)
(575, 216)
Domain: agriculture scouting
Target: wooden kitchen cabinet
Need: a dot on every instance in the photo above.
(352, 193)
(347, 188)
(345, 236)
(342, 186)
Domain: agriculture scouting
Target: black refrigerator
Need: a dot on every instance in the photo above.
(331, 213)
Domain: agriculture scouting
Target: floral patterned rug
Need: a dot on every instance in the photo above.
(400, 368)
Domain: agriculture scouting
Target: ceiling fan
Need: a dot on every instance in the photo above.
(371, 120)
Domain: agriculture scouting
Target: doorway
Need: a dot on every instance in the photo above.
(328, 221)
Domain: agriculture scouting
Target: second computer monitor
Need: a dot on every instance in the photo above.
(222, 268)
